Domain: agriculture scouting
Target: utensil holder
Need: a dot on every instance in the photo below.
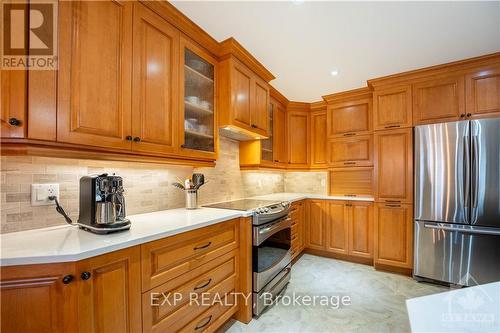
(191, 199)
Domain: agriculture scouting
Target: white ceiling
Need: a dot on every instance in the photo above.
(301, 42)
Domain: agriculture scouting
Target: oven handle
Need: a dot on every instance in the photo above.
(264, 233)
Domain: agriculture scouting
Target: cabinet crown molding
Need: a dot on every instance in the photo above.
(274, 93)
(318, 106)
(231, 47)
(359, 93)
(442, 69)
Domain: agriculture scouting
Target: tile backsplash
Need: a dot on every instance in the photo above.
(148, 186)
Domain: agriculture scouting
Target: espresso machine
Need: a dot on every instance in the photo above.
(102, 204)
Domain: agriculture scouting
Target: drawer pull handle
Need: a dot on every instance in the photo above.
(349, 163)
(200, 326)
(392, 205)
(203, 246)
(204, 285)
(349, 195)
(392, 126)
(349, 134)
(393, 201)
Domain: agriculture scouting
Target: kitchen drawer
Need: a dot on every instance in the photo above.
(212, 282)
(214, 317)
(169, 258)
(294, 230)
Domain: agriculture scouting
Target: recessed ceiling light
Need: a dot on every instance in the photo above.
(334, 72)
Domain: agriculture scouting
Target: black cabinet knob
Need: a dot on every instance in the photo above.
(469, 114)
(67, 279)
(137, 139)
(128, 138)
(85, 275)
(14, 122)
(254, 126)
(462, 115)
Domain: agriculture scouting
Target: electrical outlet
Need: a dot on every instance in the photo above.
(40, 194)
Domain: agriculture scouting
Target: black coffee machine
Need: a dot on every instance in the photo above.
(102, 204)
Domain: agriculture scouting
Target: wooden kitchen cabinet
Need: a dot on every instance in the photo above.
(243, 99)
(482, 92)
(39, 298)
(298, 228)
(337, 227)
(394, 166)
(393, 242)
(319, 158)
(438, 100)
(355, 182)
(317, 214)
(109, 292)
(280, 134)
(360, 215)
(298, 139)
(155, 83)
(14, 107)
(351, 151)
(198, 74)
(94, 76)
(349, 113)
(392, 107)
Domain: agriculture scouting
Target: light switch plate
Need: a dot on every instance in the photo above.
(41, 192)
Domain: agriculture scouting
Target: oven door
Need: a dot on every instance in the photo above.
(271, 250)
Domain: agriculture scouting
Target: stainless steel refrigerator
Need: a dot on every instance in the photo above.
(457, 202)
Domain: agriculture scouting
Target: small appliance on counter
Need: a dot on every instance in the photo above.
(190, 187)
(102, 204)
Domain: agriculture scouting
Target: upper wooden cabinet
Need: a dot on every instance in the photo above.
(393, 241)
(351, 151)
(243, 99)
(100, 56)
(392, 107)
(280, 152)
(13, 105)
(482, 91)
(349, 113)
(438, 99)
(155, 83)
(298, 138)
(394, 165)
(198, 75)
(319, 157)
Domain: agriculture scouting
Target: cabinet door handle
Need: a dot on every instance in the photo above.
(203, 285)
(392, 126)
(85, 275)
(137, 139)
(203, 246)
(349, 163)
(393, 201)
(469, 114)
(462, 115)
(388, 205)
(128, 138)
(200, 326)
(67, 279)
(348, 205)
(349, 134)
(253, 126)
(349, 195)
(276, 161)
(14, 122)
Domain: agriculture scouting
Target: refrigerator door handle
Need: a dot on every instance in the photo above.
(474, 177)
(466, 175)
(479, 231)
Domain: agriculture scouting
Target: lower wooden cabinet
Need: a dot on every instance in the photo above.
(103, 293)
(38, 298)
(393, 235)
(298, 228)
(109, 292)
(341, 227)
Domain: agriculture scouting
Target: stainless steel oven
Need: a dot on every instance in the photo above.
(271, 259)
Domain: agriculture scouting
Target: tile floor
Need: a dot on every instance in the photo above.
(377, 300)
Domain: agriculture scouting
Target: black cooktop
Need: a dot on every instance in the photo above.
(243, 204)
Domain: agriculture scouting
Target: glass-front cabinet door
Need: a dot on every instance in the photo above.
(198, 74)
(267, 144)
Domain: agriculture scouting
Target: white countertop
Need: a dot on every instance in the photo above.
(68, 243)
(473, 309)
